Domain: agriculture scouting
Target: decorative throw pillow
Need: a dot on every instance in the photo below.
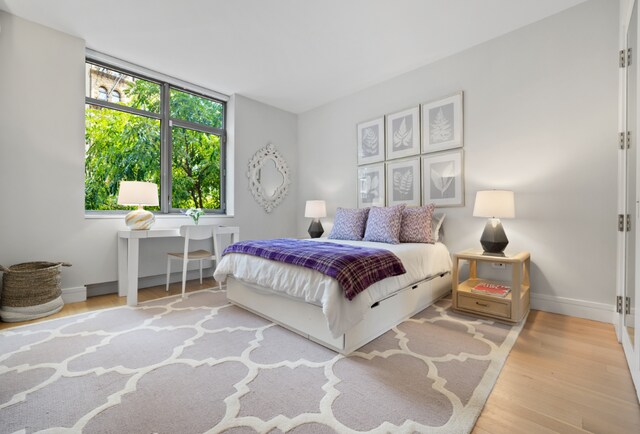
(349, 224)
(383, 224)
(416, 224)
(436, 226)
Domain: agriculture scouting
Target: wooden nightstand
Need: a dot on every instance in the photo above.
(511, 308)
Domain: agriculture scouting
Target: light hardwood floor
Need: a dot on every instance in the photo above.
(564, 374)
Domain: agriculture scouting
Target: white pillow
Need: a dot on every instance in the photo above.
(436, 226)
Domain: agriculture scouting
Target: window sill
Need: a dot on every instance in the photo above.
(158, 216)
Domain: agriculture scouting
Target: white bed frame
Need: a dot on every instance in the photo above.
(309, 321)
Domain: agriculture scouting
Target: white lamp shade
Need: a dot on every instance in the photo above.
(495, 203)
(315, 209)
(138, 193)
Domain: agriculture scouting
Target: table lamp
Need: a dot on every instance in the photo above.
(138, 194)
(494, 204)
(315, 209)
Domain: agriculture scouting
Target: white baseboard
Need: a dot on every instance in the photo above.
(574, 307)
(74, 295)
(145, 282)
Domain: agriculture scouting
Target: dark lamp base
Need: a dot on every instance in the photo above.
(498, 255)
(493, 238)
(315, 229)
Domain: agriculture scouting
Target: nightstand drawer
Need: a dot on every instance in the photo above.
(489, 307)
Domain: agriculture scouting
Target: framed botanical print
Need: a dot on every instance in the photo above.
(403, 133)
(403, 182)
(442, 179)
(371, 141)
(371, 185)
(442, 124)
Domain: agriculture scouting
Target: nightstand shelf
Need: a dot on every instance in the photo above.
(511, 308)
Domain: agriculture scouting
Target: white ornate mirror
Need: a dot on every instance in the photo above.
(268, 177)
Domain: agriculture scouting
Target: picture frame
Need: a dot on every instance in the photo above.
(403, 133)
(403, 182)
(443, 179)
(371, 141)
(371, 185)
(443, 124)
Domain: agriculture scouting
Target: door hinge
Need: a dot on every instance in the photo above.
(624, 140)
(628, 222)
(627, 305)
(624, 58)
(628, 139)
(619, 304)
(620, 223)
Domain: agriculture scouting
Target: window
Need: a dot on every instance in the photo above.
(153, 131)
(102, 93)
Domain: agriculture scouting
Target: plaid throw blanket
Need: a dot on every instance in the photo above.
(354, 267)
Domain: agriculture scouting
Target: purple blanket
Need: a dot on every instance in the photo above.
(354, 267)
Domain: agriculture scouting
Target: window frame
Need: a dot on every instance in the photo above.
(180, 123)
(167, 122)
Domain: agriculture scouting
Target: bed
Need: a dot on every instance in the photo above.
(314, 305)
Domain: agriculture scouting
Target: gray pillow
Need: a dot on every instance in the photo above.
(437, 230)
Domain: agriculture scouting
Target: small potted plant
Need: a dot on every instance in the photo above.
(194, 213)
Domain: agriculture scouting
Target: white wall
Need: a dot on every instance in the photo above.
(540, 107)
(42, 162)
(257, 124)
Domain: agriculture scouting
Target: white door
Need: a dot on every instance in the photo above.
(630, 201)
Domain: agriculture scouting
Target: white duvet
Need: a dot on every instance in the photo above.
(419, 260)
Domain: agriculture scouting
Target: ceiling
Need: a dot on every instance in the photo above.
(292, 54)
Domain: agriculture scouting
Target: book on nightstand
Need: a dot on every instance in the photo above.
(492, 289)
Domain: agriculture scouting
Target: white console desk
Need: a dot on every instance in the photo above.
(129, 252)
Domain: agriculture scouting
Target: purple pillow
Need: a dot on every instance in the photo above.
(349, 224)
(383, 224)
(416, 225)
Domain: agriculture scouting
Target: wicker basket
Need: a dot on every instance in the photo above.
(30, 287)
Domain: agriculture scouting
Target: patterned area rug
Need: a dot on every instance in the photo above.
(203, 365)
